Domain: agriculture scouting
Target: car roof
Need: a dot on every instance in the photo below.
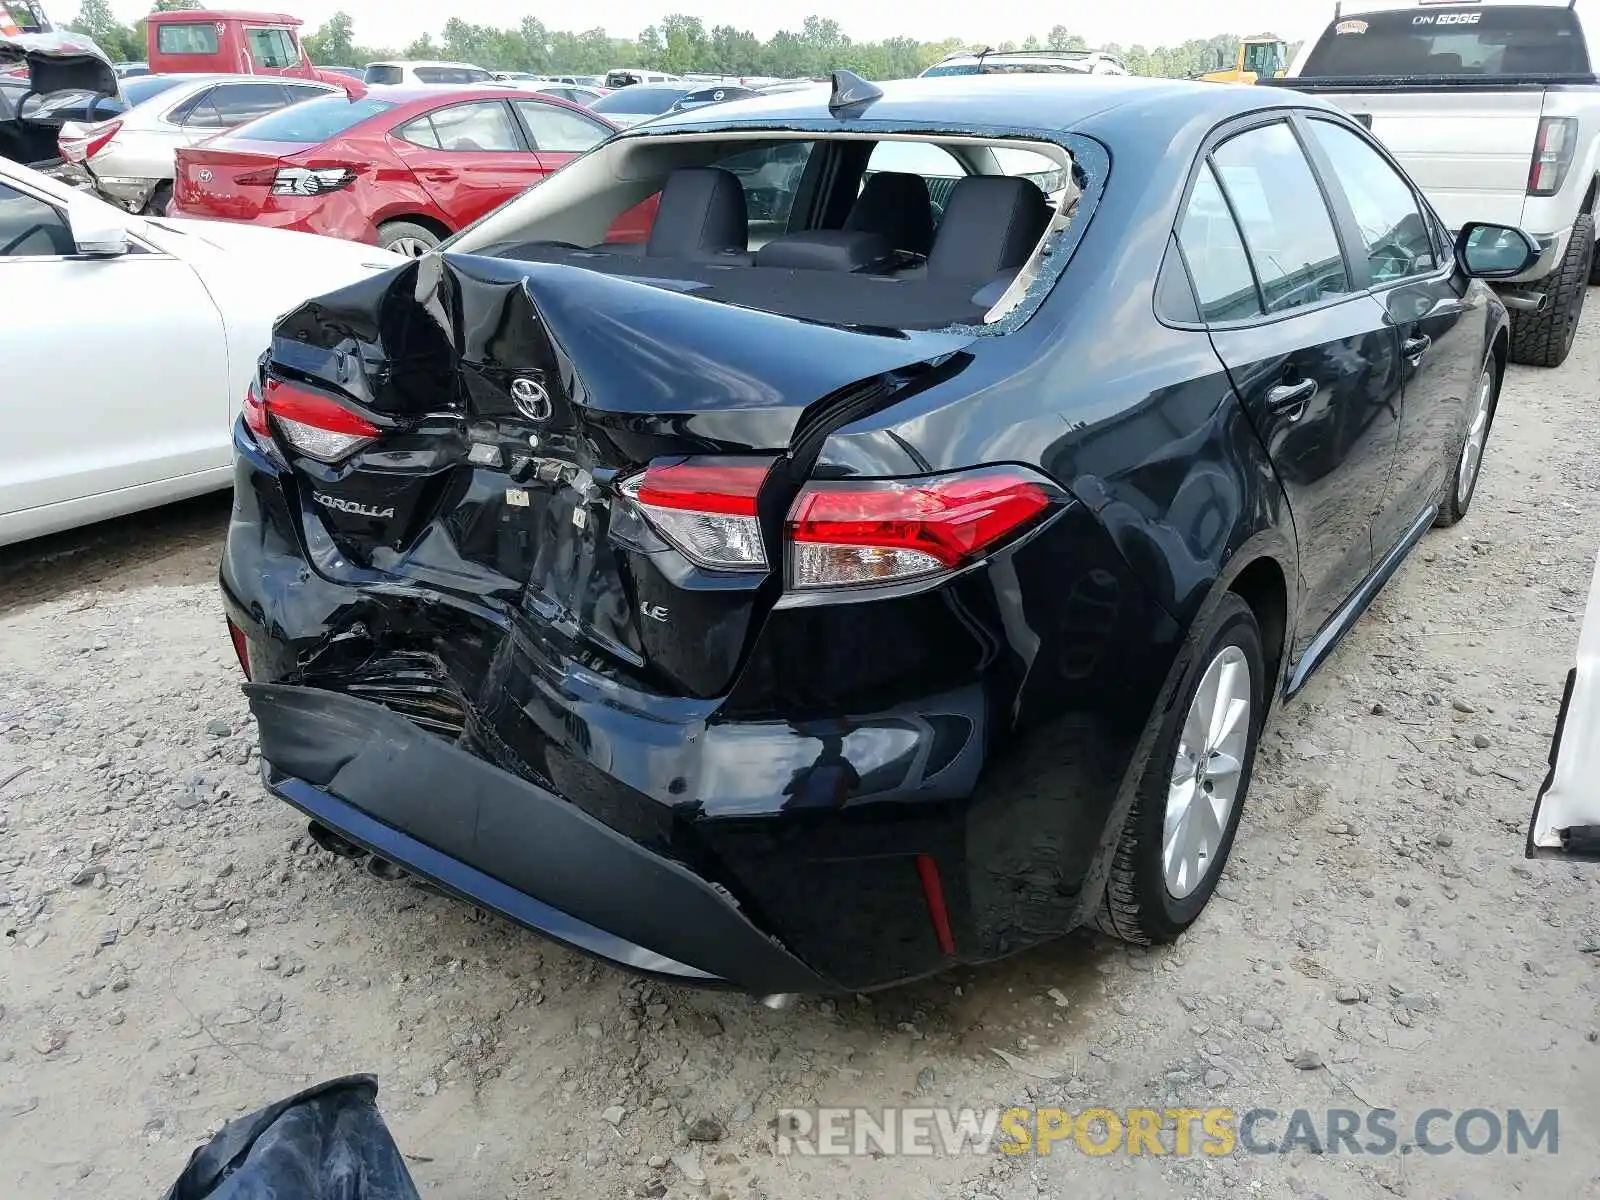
(227, 14)
(423, 62)
(411, 93)
(985, 103)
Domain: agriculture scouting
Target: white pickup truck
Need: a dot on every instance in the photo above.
(1493, 107)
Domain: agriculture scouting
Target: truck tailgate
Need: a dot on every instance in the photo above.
(1469, 151)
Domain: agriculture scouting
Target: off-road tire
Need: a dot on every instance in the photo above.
(1137, 906)
(1544, 339)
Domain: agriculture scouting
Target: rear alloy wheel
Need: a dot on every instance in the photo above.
(1469, 461)
(1187, 806)
(1544, 339)
(407, 238)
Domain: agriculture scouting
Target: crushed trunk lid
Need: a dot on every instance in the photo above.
(511, 402)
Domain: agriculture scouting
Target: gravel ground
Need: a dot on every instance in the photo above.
(176, 953)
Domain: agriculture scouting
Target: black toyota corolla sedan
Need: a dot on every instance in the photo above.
(812, 594)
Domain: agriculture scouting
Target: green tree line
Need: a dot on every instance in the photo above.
(677, 43)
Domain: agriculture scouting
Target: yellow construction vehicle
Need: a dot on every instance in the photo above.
(1263, 55)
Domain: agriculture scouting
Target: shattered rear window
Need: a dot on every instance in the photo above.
(803, 252)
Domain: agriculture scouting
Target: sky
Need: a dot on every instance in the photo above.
(1150, 22)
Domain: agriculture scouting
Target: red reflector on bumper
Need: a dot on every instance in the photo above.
(933, 893)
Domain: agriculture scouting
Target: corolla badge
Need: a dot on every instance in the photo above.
(353, 507)
(531, 399)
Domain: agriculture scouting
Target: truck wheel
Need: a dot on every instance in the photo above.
(1543, 339)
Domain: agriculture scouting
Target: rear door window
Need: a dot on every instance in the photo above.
(273, 48)
(483, 125)
(771, 179)
(303, 91)
(187, 37)
(1487, 40)
(1216, 255)
(1287, 228)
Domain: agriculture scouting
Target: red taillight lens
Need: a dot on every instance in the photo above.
(853, 533)
(241, 647)
(255, 413)
(706, 508)
(95, 139)
(312, 423)
(1552, 155)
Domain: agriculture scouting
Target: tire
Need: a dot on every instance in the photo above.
(1140, 905)
(156, 206)
(1460, 486)
(1544, 339)
(408, 238)
(1594, 262)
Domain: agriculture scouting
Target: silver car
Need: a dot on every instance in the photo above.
(129, 159)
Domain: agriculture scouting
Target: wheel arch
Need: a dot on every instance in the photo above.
(1263, 585)
(432, 224)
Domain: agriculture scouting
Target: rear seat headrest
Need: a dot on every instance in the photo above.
(991, 224)
(895, 204)
(827, 250)
(702, 214)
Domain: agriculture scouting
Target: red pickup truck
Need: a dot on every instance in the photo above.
(190, 41)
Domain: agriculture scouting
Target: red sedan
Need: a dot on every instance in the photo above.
(400, 167)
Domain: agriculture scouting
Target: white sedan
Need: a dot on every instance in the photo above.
(126, 346)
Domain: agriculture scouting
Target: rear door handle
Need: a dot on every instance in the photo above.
(1417, 346)
(1291, 398)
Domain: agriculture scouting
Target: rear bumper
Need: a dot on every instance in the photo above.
(507, 844)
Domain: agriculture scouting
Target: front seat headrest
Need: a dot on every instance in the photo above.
(991, 224)
(702, 214)
(895, 204)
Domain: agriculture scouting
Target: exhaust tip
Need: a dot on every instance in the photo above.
(778, 1001)
(333, 843)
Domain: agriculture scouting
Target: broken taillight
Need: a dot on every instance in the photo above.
(95, 139)
(314, 424)
(856, 533)
(706, 508)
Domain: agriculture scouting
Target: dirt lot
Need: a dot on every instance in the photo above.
(176, 954)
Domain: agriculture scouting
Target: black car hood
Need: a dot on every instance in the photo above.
(60, 62)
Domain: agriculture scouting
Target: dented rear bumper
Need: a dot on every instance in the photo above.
(507, 844)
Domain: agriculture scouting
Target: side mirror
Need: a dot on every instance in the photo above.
(1487, 251)
(97, 228)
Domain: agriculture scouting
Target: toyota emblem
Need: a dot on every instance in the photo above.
(203, 175)
(531, 399)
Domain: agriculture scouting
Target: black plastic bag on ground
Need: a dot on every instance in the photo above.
(325, 1143)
